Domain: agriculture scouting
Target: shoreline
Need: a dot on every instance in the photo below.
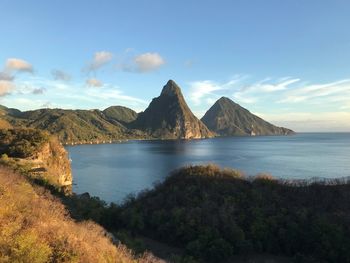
(175, 139)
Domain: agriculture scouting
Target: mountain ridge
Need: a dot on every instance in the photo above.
(167, 117)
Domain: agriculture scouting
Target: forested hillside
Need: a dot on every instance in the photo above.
(216, 214)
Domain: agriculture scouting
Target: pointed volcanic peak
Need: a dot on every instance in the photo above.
(227, 118)
(169, 117)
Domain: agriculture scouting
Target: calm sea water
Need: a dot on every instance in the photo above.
(112, 171)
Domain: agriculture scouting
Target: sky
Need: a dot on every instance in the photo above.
(286, 61)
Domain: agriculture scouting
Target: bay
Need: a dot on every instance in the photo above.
(112, 171)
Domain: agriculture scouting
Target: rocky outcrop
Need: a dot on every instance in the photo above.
(169, 117)
(227, 118)
(52, 163)
(36, 154)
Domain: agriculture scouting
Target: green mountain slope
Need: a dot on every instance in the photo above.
(169, 117)
(227, 118)
(75, 125)
(72, 126)
(120, 114)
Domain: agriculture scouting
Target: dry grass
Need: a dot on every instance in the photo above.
(35, 227)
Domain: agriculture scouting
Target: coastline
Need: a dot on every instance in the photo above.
(71, 144)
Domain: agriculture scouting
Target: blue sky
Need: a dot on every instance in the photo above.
(287, 61)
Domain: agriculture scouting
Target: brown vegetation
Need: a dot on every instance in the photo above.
(35, 227)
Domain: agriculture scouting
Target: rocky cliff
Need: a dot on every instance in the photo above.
(52, 163)
(37, 154)
(169, 117)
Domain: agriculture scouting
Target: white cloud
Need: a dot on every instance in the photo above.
(268, 85)
(241, 97)
(317, 91)
(113, 93)
(16, 64)
(94, 83)
(323, 106)
(100, 59)
(276, 87)
(6, 87)
(148, 62)
(201, 89)
(143, 63)
(208, 90)
(7, 76)
(311, 121)
(293, 99)
(65, 95)
(23, 103)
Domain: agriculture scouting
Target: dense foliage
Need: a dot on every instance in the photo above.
(215, 214)
(74, 126)
(120, 114)
(21, 143)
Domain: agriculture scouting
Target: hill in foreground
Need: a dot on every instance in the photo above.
(227, 118)
(169, 117)
(35, 227)
(215, 215)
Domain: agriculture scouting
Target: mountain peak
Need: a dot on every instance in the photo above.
(171, 89)
(224, 99)
(226, 102)
(169, 117)
(228, 118)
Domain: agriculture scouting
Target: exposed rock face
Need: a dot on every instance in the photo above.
(227, 118)
(36, 154)
(169, 117)
(53, 161)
